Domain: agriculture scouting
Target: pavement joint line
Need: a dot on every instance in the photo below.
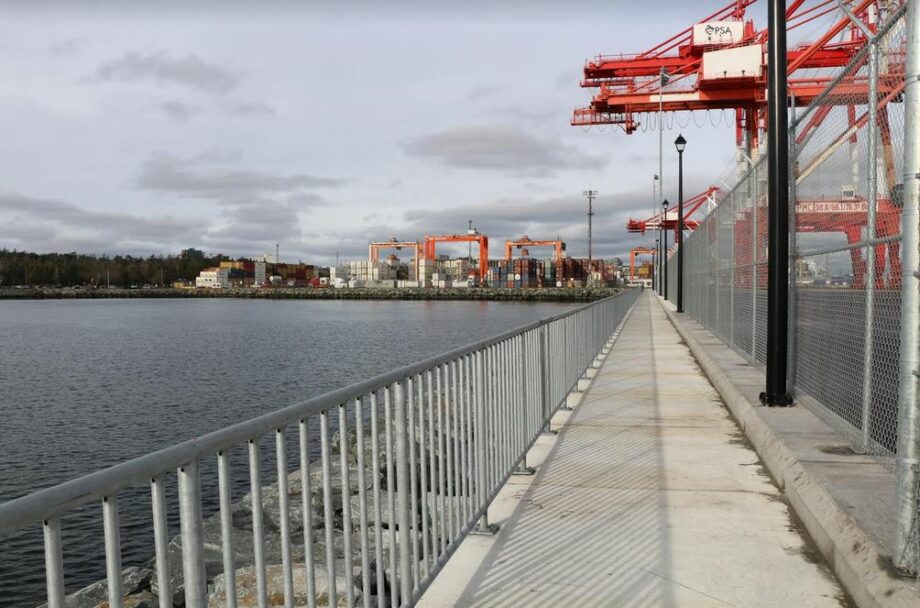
(859, 563)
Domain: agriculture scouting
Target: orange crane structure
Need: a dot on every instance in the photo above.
(525, 243)
(636, 251)
(373, 253)
(719, 63)
(662, 221)
(473, 236)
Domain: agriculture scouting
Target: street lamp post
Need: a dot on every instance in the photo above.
(664, 249)
(680, 143)
(656, 281)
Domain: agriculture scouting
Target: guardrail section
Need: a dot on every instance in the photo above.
(389, 475)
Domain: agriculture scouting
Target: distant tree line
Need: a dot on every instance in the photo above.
(72, 269)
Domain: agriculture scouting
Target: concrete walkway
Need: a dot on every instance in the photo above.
(649, 496)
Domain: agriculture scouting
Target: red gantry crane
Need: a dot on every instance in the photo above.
(719, 63)
(473, 236)
(525, 243)
(636, 251)
(373, 253)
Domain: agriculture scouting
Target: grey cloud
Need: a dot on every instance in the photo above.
(59, 219)
(68, 47)
(529, 114)
(265, 221)
(500, 148)
(167, 173)
(482, 91)
(305, 200)
(179, 110)
(190, 71)
(252, 109)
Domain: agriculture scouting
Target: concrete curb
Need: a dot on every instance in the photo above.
(862, 567)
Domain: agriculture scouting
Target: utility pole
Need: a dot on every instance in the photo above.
(591, 194)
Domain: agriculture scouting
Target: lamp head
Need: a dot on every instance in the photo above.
(680, 143)
(665, 204)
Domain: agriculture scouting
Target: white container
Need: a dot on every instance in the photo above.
(742, 62)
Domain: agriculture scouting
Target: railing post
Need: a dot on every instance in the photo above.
(111, 527)
(905, 553)
(521, 352)
(196, 588)
(479, 406)
(402, 493)
(544, 398)
(161, 541)
(54, 567)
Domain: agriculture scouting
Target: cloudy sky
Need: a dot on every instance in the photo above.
(232, 126)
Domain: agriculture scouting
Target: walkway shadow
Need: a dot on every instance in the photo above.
(592, 529)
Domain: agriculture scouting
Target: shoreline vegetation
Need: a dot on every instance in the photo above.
(577, 294)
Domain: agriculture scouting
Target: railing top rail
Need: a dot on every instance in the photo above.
(50, 502)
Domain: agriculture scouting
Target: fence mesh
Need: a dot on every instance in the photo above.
(846, 166)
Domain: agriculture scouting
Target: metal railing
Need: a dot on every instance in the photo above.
(848, 150)
(422, 451)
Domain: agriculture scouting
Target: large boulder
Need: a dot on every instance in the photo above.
(246, 590)
(134, 580)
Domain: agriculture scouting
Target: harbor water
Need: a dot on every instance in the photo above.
(86, 384)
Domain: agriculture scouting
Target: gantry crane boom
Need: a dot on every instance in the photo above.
(661, 221)
(728, 70)
(525, 241)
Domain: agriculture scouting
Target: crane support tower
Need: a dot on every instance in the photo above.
(525, 243)
(474, 236)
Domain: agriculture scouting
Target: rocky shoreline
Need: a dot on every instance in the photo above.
(140, 582)
(576, 294)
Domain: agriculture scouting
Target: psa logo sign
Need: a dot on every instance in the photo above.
(718, 30)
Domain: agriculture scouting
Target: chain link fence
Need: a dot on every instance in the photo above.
(846, 161)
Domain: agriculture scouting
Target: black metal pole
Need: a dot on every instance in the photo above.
(776, 392)
(680, 231)
(660, 267)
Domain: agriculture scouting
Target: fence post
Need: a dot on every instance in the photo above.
(793, 252)
(869, 272)
(731, 283)
(753, 175)
(905, 552)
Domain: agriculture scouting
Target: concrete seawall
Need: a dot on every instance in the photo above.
(578, 294)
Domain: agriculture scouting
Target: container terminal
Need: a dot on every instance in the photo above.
(425, 268)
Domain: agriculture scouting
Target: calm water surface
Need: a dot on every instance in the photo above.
(88, 383)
